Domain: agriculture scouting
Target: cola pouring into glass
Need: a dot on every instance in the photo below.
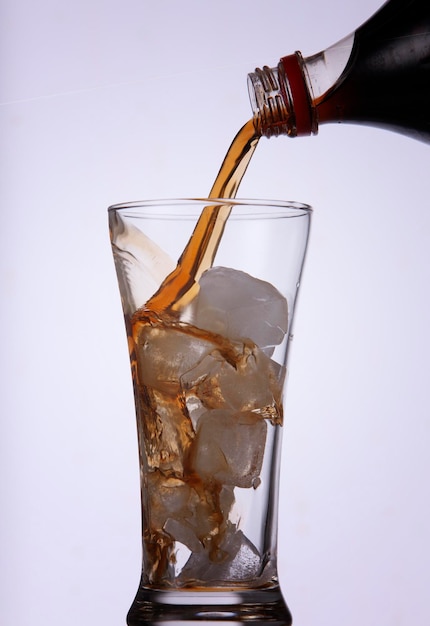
(209, 329)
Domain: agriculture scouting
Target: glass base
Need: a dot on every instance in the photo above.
(259, 606)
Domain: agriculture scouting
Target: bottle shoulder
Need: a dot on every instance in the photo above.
(386, 81)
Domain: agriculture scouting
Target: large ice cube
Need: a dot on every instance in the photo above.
(237, 305)
(228, 447)
(165, 430)
(249, 382)
(167, 498)
(235, 559)
(165, 353)
(208, 507)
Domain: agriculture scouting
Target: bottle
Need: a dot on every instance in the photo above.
(377, 76)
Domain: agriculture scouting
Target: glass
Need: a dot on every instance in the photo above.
(208, 383)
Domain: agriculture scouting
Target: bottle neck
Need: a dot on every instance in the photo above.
(281, 100)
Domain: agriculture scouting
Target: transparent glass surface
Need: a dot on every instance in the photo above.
(209, 375)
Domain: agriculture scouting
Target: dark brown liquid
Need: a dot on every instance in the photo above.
(188, 484)
(177, 289)
(387, 80)
(186, 490)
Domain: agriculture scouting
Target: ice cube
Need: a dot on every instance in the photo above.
(228, 447)
(165, 353)
(236, 559)
(237, 305)
(182, 531)
(166, 431)
(249, 382)
(246, 562)
(189, 513)
(168, 498)
(202, 515)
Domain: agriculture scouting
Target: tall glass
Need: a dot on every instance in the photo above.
(208, 379)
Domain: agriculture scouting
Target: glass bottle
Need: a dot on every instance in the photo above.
(377, 76)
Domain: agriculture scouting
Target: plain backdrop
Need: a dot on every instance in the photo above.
(117, 100)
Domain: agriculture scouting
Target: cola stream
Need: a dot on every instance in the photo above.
(208, 403)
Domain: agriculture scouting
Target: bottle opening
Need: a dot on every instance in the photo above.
(280, 99)
(272, 115)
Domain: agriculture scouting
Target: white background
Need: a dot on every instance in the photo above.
(116, 100)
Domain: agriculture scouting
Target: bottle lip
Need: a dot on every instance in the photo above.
(280, 99)
(272, 115)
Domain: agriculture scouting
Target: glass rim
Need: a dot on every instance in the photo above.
(245, 208)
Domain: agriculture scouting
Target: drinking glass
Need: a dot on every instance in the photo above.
(209, 372)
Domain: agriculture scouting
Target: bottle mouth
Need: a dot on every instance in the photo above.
(271, 106)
